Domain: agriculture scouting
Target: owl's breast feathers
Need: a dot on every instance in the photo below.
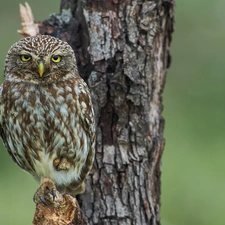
(43, 124)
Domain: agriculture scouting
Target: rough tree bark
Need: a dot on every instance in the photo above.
(122, 51)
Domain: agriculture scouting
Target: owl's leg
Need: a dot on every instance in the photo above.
(46, 193)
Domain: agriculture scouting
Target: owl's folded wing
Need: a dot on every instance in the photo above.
(86, 114)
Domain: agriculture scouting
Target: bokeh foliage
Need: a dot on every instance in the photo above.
(193, 180)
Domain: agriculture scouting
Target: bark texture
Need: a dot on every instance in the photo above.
(122, 50)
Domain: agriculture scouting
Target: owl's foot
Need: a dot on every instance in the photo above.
(51, 194)
(46, 193)
(61, 164)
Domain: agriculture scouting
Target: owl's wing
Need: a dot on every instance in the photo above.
(86, 113)
(87, 119)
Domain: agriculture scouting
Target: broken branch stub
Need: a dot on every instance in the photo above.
(30, 28)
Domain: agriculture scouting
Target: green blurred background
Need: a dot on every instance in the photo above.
(193, 180)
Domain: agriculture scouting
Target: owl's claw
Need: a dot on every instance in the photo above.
(46, 193)
(42, 198)
(53, 194)
(49, 196)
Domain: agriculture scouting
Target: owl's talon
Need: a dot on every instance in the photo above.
(42, 198)
(48, 197)
(46, 193)
(53, 193)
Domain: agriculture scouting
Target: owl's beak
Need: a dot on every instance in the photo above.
(41, 68)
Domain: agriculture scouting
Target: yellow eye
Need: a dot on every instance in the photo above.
(25, 58)
(56, 58)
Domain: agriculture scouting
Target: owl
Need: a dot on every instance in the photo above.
(46, 115)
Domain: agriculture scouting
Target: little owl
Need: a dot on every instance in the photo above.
(46, 115)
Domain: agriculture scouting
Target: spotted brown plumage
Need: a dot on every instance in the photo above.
(46, 115)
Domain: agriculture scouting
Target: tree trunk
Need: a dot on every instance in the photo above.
(122, 53)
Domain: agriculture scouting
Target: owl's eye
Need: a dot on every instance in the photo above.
(56, 58)
(25, 58)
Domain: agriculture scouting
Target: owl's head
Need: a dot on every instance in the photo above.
(40, 59)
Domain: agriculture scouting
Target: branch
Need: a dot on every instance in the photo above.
(29, 27)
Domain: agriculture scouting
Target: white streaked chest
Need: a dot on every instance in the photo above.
(39, 119)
